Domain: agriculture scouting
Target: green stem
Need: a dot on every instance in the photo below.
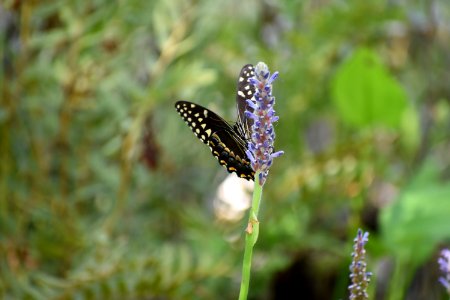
(251, 237)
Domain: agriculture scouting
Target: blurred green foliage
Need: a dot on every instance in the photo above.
(105, 193)
(364, 88)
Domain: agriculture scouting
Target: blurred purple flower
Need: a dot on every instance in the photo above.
(444, 265)
(260, 147)
(359, 277)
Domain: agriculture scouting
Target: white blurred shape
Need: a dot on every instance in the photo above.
(233, 198)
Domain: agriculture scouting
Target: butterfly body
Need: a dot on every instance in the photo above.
(228, 143)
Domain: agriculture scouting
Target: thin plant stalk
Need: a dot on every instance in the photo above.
(251, 237)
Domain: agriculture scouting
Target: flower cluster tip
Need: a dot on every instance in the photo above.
(359, 276)
(260, 110)
(444, 265)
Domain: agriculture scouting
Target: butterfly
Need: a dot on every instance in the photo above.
(228, 142)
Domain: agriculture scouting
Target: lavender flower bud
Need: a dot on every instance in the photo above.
(260, 147)
(359, 277)
(444, 265)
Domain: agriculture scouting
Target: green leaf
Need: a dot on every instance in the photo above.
(366, 94)
(419, 218)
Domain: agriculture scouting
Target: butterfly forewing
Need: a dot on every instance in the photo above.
(226, 144)
(245, 91)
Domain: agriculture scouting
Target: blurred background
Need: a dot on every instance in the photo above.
(106, 194)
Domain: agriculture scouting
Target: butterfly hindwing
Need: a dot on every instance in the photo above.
(226, 144)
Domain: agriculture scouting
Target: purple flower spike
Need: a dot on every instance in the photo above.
(444, 265)
(359, 277)
(262, 132)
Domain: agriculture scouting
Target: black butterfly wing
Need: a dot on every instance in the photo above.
(245, 91)
(226, 144)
